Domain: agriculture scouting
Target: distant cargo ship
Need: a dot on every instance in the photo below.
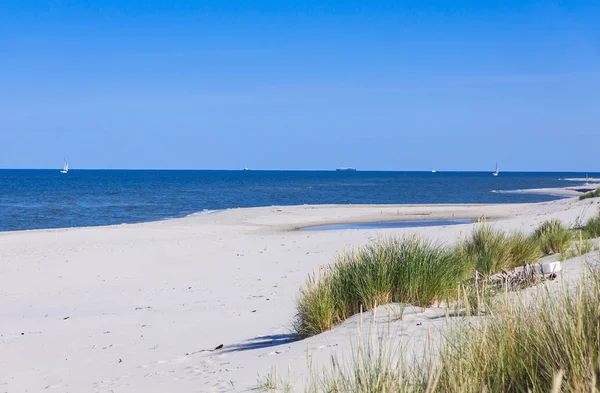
(346, 169)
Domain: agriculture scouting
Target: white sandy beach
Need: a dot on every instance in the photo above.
(124, 308)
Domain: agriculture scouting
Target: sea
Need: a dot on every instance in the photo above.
(37, 199)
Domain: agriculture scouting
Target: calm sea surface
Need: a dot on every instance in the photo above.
(31, 199)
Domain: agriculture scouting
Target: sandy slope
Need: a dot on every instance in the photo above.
(116, 309)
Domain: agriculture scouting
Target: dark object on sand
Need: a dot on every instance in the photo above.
(205, 350)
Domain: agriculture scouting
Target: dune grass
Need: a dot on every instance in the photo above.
(317, 309)
(416, 271)
(582, 247)
(486, 250)
(590, 194)
(553, 237)
(592, 227)
(374, 366)
(489, 251)
(406, 270)
(547, 343)
(524, 347)
(523, 250)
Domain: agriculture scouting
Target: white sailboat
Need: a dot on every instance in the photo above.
(65, 167)
(496, 171)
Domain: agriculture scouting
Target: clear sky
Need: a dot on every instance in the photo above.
(274, 84)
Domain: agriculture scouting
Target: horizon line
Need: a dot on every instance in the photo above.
(294, 170)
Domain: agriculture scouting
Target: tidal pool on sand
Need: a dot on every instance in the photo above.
(388, 225)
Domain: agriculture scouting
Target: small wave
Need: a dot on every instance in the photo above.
(202, 212)
(533, 192)
(590, 179)
(508, 192)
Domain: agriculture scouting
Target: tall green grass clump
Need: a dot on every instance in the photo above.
(592, 227)
(486, 250)
(523, 250)
(406, 270)
(316, 307)
(590, 194)
(489, 251)
(553, 237)
(424, 272)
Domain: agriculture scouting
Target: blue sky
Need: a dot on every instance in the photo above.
(391, 85)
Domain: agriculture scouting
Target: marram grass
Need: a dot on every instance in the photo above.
(415, 271)
(523, 250)
(406, 270)
(539, 343)
(550, 343)
(489, 251)
(553, 237)
(486, 250)
(523, 347)
(591, 194)
(592, 227)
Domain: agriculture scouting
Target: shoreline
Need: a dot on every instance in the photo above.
(417, 216)
(125, 307)
(115, 216)
(369, 213)
(562, 191)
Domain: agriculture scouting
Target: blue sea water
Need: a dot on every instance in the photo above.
(33, 199)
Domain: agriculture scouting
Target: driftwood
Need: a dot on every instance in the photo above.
(205, 350)
(523, 277)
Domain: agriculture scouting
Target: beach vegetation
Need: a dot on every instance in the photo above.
(543, 341)
(374, 366)
(402, 270)
(489, 251)
(524, 347)
(539, 343)
(553, 237)
(592, 227)
(408, 270)
(485, 250)
(273, 382)
(523, 250)
(582, 247)
(591, 194)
